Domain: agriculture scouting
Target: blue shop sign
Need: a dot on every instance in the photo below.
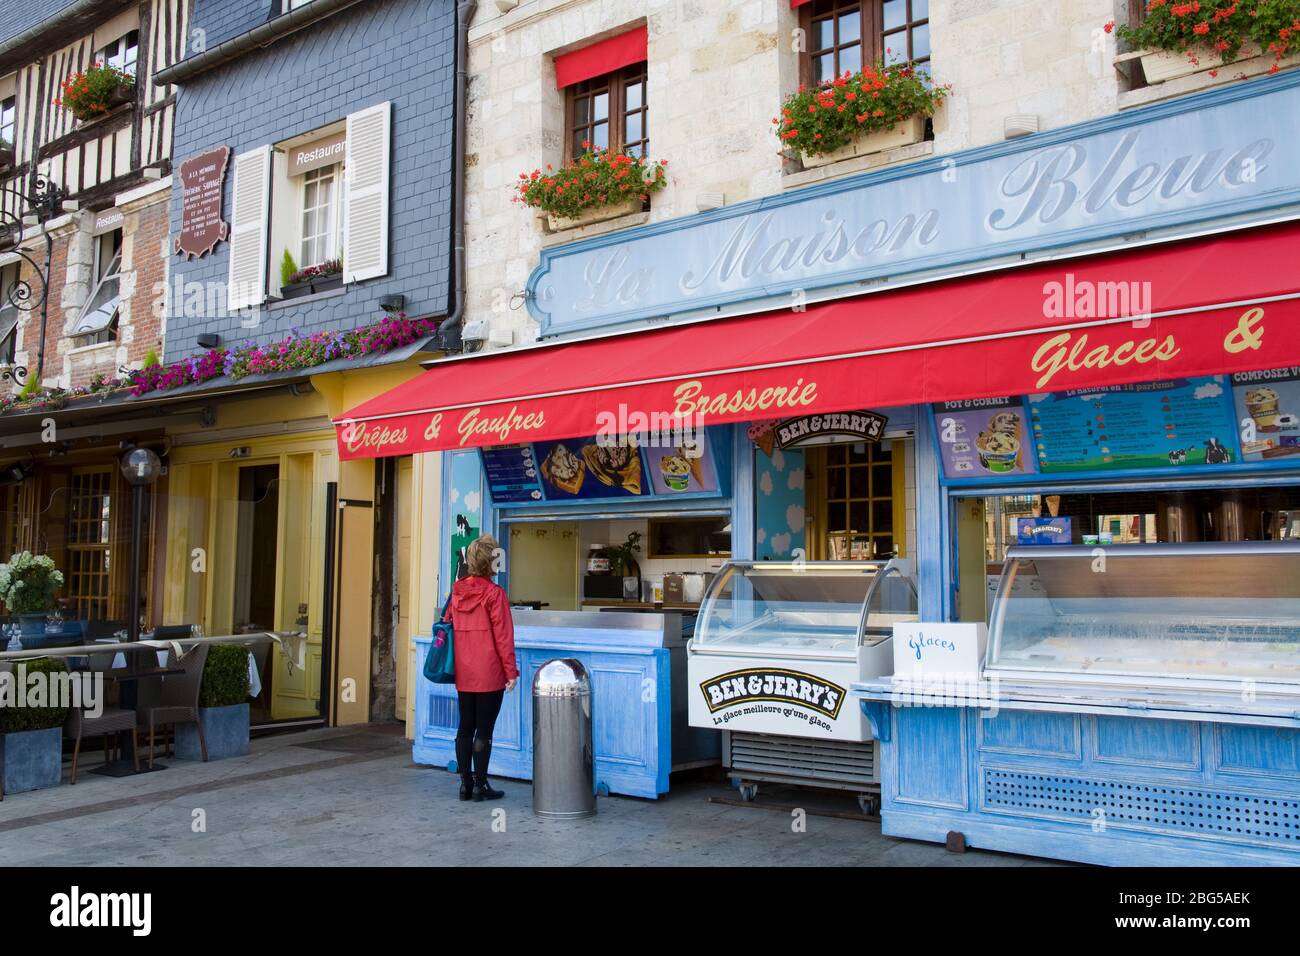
(1044, 531)
(1229, 152)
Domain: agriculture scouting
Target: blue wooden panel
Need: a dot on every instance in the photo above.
(1270, 751)
(1149, 813)
(1030, 732)
(1142, 742)
(631, 735)
(930, 744)
(622, 725)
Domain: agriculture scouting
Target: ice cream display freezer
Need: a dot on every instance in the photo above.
(1139, 704)
(775, 649)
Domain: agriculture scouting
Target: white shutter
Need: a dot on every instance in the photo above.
(248, 228)
(365, 225)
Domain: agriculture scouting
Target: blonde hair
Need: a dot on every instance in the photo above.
(480, 555)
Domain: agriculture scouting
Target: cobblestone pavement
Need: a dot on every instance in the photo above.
(353, 796)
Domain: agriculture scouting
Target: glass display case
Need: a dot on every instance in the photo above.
(1208, 613)
(831, 607)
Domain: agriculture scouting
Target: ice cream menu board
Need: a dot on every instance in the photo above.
(1168, 424)
(1268, 412)
(584, 468)
(982, 437)
(512, 474)
(683, 469)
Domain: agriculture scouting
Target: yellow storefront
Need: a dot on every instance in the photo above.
(266, 530)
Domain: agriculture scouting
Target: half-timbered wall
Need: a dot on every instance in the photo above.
(89, 156)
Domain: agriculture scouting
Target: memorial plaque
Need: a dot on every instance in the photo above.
(203, 179)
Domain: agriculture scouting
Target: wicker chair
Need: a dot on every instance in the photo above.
(113, 720)
(179, 701)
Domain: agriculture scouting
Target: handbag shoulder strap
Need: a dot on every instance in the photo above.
(445, 608)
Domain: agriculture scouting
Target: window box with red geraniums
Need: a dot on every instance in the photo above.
(598, 185)
(95, 92)
(877, 108)
(1182, 38)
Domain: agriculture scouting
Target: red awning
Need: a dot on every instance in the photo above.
(1226, 304)
(604, 56)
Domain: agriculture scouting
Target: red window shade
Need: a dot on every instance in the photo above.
(794, 4)
(601, 58)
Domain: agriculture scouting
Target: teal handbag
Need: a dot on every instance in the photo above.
(440, 665)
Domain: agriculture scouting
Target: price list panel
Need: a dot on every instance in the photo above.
(512, 474)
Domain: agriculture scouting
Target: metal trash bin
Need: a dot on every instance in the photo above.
(563, 772)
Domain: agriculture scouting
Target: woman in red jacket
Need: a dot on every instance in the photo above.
(485, 664)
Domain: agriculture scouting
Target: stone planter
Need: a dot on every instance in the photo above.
(31, 759)
(224, 728)
(904, 133)
(1161, 65)
(599, 214)
(31, 626)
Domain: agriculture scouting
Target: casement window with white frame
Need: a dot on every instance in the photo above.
(122, 53)
(97, 322)
(311, 213)
(11, 294)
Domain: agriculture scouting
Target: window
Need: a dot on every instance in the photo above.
(98, 320)
(8, 121)
(859, 501)
(122, 52)
(9, 312)
(89, 521)
(320, 197)
(845, 36)
(321, 208)
(609, 111)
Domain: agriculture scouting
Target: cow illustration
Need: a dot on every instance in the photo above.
(1216, 454)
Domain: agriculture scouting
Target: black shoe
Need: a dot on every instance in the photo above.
(484, 791)
(466, 788)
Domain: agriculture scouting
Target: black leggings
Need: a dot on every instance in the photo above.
(478, 717)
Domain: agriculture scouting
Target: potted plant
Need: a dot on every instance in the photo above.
(877, 108)
(27, 587)
(598, 185)
(223, 707)
(317, 278)
(290, 288)
(31, 738)
(1178, 39)
(6, 154)
(96, 91)
(623, 562)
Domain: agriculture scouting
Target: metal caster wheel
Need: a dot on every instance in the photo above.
(748, 791)
(869, 804)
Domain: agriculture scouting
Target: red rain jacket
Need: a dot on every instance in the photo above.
(485, 635)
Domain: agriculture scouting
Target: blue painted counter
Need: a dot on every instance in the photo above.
(636, 663)
(1091, 784)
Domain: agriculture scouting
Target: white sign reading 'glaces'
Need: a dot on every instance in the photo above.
(951, 648)
(1179, 163)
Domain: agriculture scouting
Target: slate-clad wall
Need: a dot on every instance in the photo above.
(378, 50)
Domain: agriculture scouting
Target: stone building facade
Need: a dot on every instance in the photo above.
(717, 72)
